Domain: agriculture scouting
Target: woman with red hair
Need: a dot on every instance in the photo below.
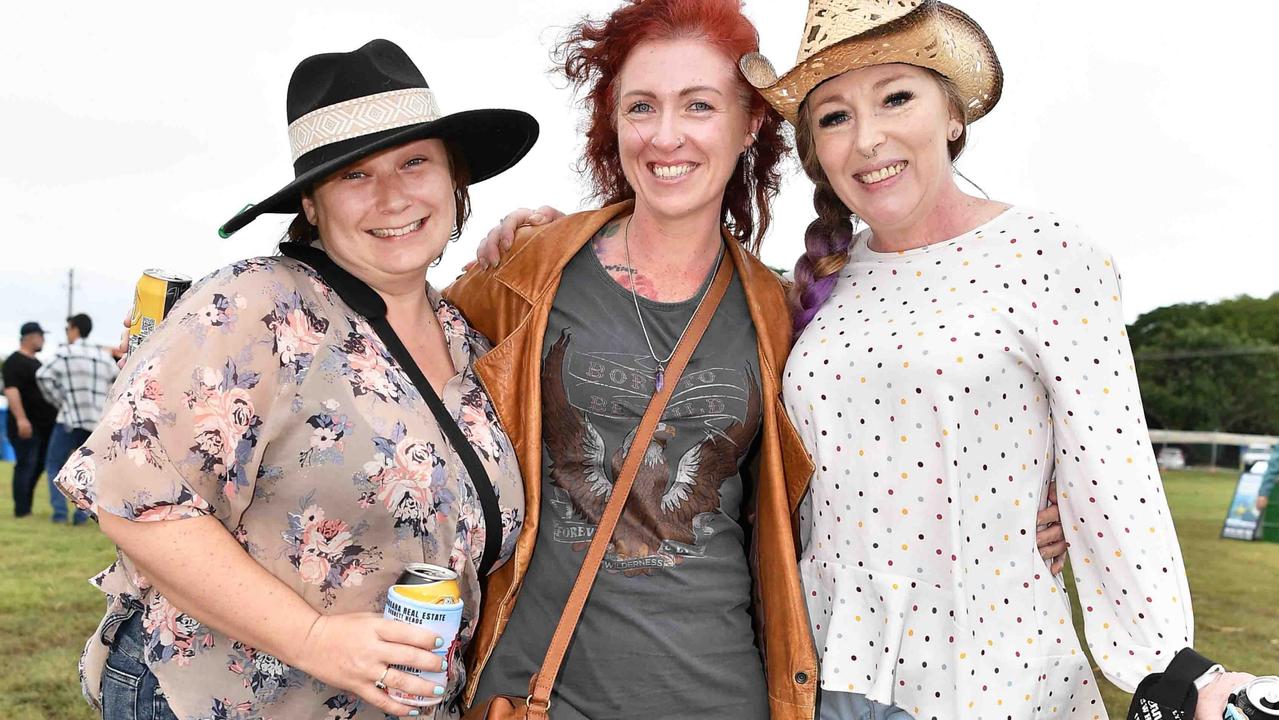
(584, 314)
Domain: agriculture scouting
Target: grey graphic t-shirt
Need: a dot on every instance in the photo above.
(667, 630)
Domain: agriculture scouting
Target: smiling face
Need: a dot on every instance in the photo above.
(880, 135)
(682, 122)
(386, 217)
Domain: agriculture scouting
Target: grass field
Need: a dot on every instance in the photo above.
(47, 608)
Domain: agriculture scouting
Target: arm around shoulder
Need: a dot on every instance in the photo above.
(485, 300)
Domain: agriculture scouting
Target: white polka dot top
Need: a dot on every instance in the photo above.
(939, 390)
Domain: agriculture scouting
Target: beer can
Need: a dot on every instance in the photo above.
(429, 583)
(429, 596)
(1258, 699)
(157, 292)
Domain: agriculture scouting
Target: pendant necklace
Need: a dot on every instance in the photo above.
(659, 378)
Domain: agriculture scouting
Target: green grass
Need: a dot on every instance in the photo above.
(47, 607)
(1234, 585)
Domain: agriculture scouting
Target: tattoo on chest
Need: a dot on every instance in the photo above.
(607, 248)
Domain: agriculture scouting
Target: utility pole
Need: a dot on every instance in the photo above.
(70, 291)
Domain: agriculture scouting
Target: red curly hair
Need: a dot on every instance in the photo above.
(591, 55)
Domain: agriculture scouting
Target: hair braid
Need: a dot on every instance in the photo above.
(827, 239)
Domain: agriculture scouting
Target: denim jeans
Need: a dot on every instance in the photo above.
(64, 441)
(28, 463)
(855, 706)
(129, 689)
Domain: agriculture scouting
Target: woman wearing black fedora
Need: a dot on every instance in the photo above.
(304, 425)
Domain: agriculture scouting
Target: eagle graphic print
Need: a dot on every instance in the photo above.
(675, 503)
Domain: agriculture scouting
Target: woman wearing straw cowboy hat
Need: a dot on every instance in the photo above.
(302, 426)
(953, 359)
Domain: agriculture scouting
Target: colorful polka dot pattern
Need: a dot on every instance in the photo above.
(939, 390)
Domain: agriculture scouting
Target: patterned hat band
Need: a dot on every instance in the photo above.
(361, 116)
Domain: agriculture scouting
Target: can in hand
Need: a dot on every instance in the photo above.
(429, 596)
(158, 291)
(1258, 699)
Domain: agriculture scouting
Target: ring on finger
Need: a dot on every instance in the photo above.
(380, 683)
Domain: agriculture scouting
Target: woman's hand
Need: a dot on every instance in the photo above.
(499, 239)
(1051, 540)
(1212, 699)
(352, 650)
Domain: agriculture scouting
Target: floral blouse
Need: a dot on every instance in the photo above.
(267, 400)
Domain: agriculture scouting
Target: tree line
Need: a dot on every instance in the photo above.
(1210, 366)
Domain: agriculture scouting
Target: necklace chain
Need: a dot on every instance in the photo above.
(659, 377)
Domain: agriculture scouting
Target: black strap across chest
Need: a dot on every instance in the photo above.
(474, 468)
(365, 301)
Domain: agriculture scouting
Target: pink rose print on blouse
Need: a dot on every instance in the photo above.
(222, 311)
(135, 418)
(478, 420)
(341, 707)
(224, 709)
(172, 636)
(325, 551)
(185, 505)
(263, 673)
(78, 476)
(329, 427)
(367, 368)
(408, 477)
(298, 333)
(226, 424)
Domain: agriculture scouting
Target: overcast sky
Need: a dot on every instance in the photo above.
(132, 130)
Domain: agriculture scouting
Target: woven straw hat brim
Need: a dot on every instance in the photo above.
(935, 36)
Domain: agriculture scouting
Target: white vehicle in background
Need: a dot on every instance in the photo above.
(1252, 453)
(1171, 458)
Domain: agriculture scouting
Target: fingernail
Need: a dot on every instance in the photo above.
(444, 665)
(439, 642)
(535, 217)
(439, 689)
(414, 713)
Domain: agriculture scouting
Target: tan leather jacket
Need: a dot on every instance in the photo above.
(510, 304)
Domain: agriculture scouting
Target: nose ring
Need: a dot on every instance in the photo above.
(679, 142)
(873, 152)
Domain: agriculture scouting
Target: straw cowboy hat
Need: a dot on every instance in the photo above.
(345, 106)
(843, 35)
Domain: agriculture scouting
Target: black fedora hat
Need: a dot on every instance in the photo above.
(345, 106)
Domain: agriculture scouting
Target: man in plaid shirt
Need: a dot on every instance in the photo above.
(76, 381)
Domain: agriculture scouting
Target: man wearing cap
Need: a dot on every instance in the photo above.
(77, 381)
(31, 417)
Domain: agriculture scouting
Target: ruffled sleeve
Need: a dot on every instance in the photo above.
(1124, 552)
(184, 431)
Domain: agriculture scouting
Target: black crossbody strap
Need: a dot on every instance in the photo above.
(479, 476)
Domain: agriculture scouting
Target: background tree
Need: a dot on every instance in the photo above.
(1210, 366)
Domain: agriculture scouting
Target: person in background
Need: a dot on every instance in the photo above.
(31, 417)
(76, 381)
